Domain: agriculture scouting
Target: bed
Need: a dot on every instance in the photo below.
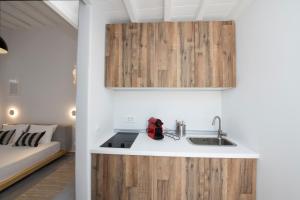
(18, 162)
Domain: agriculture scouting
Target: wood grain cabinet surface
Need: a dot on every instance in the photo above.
(171, 54)
(123, 177)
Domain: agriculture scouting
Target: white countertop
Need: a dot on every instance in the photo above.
(143, 145)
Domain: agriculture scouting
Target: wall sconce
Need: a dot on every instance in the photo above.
(12, 112)
(73, 113)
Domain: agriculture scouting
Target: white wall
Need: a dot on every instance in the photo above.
(100, 98)
(42, 61)
(94, 101)
(196, 108)
(82, 169)
(263, 111)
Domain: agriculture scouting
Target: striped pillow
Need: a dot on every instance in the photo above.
(30, 139)
(5, 136)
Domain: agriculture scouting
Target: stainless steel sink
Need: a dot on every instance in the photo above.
(210, 141)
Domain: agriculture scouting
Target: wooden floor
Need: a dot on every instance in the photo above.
(53, 182)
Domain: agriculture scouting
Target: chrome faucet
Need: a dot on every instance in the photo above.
(220, 132)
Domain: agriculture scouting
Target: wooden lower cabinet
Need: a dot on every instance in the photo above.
(122, 177)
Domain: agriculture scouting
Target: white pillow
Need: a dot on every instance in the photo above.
(41, 128)
(20, 128)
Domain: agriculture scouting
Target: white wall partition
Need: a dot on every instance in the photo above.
(100, 98)
(263, 111)
(82, 169)
(94, 101)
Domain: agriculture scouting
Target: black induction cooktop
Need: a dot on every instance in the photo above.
(121, 140)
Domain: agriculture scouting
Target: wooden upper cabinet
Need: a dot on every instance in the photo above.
(215, 54)
(130, 55)
(171, 54)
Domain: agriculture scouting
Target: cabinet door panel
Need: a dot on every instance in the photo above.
(129, 38)
(203, 55)
(139, 55)
(228, 54)
(187, 51)
(114, 55)
(147, 55)
(167, 54)
(215, 54)
(130, 55)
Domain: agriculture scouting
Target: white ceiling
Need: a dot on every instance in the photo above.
(33, 14)
(68, 9)
(17, 15)
(172, 10)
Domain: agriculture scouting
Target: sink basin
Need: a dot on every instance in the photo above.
(210, 141)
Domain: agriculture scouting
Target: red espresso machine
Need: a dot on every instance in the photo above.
(155, 129)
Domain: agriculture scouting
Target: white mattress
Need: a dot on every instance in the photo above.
(15, 159)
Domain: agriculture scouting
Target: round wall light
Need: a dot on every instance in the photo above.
(73, 113)
(13, 112)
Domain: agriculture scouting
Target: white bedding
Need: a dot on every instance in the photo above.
(15, 159)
